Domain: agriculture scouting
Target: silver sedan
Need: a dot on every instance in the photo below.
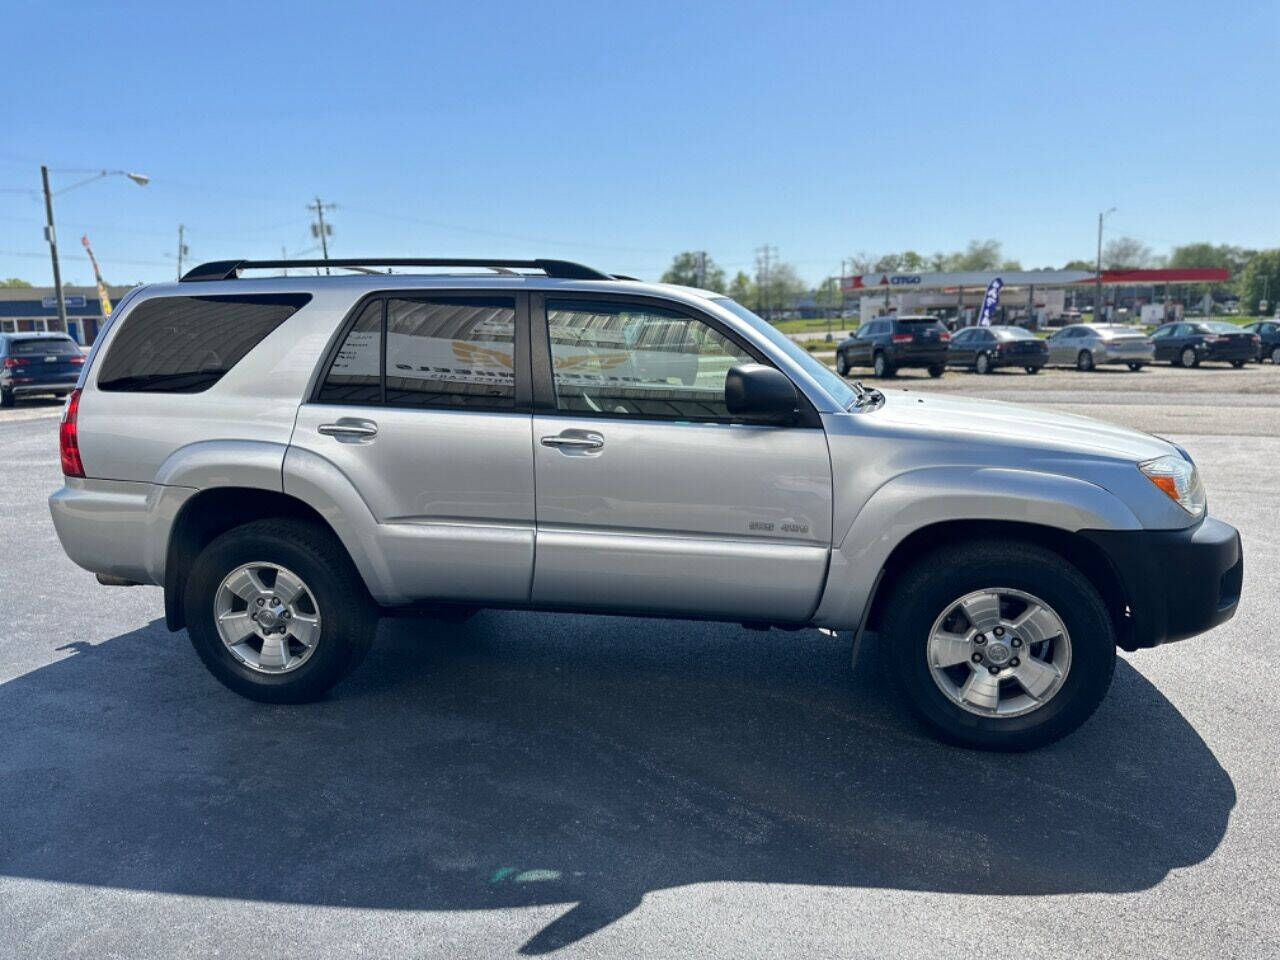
(1085, 345)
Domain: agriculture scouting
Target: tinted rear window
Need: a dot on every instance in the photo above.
(917, 322)
(1014, 333)
(187, 344)
(40, 346)
(1218, 326)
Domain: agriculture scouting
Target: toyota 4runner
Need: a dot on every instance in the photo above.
(290, 457)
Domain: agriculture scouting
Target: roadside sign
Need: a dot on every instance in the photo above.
(1263, 305)
(50, 302)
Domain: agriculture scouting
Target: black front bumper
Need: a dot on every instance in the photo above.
(1176, 583)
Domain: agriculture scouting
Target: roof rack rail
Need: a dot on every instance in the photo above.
(230, 269)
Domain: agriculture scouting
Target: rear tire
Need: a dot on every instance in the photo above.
(6, 398)
(1084, 361)
(1189, 358)
(1275, 356)
(1238, 364)
(881, 366)
(347, 617)
(936, 370)
(982, 364)
(932, 586)
(1135, 367)
(1033, 369)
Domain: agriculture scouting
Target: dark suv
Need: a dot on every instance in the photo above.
(33, 363)
(889, 343)
(1268, 332)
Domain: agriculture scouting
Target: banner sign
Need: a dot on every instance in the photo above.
(990, 302)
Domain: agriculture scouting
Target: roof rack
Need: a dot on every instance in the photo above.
(230, 269)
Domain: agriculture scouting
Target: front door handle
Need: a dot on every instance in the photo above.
(349, 429)
(578, 441)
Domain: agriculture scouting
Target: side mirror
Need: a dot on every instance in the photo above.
(752, 389)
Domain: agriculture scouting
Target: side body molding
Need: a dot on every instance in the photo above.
(920, 498)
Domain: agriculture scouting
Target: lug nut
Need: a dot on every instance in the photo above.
(1015, 642)
(287, 614)
(253, 616)
(980, 638)
(1014, 662)
(994, 669)
(999, 631)
(977, 658)
(261, 601)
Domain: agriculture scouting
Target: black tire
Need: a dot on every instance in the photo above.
(842, 363)
(936, 370)
(1275, 356)
(1032, 369)
(1188, 358)
(1238, 364)
(881, 365)
(924, 591)
(348, 617)
(982, 363)
(6, 397)
(1084, 361)
(1135, 367)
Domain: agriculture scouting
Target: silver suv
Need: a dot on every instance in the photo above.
(291, 457)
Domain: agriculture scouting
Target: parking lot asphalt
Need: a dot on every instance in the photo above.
(604, 787)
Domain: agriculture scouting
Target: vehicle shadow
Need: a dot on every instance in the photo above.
(522, 759)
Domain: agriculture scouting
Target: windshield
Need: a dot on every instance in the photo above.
(827, 378)
(34, 346)
(1014, 333)
(1219, 326)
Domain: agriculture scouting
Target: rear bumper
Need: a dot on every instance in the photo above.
(1232, 352)
(1036, 359)
(42, 386)
(1177, 583)
(1113, 355)
(913, 356)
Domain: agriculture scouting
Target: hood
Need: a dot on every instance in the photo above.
(992, 422)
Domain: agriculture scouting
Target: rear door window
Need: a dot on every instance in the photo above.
(187, 344)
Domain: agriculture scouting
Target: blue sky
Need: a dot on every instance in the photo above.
(620, 135)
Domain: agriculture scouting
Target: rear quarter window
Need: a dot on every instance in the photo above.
(187, 344)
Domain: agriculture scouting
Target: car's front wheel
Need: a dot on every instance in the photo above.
(881, 366)
(1275, 356)
(842, 363)
(6, 397)
(1135, 367)
(277, 611)
(936, 370)
(999, 645)
(1032, 369)
(1084, 361)
(982, 363)
(1238, 364)
(1189, 358)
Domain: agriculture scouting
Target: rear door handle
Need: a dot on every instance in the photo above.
(349, 429)
(579, 441)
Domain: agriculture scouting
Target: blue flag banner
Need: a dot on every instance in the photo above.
(990, 302)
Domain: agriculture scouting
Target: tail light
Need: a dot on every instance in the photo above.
(68, 444)
(903, 337)
(944, 336)
(1214, 338)
(1256, 339)
(12, 362)
(78, 359)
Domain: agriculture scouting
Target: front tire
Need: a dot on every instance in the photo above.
(881, 366)
(1084, 361)
(1032, 370)
(1135, 367)
(6, 397)
(277, 611)
(1238, 364)
(982, 364)
(1189, 358)
(842, 363)
(1043, 639)
(1275, 356)
(936, 370)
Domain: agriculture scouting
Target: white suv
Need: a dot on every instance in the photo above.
(290, 456)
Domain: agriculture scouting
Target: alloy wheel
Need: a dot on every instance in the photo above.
(267, 617)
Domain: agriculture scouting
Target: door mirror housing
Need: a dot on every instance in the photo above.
(753, 389)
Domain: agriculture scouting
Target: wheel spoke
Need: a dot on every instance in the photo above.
(982, 690)
(275, 652)
(305, 628)
(983, 610)
(1036, 676)
(287, 587)
(235, 626)
(1037, 624)
(246, 584)
(948, 649)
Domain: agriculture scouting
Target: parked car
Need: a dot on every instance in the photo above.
(292, 457)
(891, 343)
(1188, 343)
(32, 364)
(983, 349)
(1268, 333)
(1086, 345)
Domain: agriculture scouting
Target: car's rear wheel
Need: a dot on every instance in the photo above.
(1032, 369)
(277, 611)
(881, 366)
(1000, 645)
(6, 397)
(1084, 361)
(982, 363)
(1135, 367)
(936, 370)
(1189, 358)
(1275, 356)
(1237, 363)
(842, 363)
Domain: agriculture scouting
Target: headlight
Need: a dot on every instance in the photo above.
(1178, 478)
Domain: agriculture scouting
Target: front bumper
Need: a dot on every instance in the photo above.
(1176, 583)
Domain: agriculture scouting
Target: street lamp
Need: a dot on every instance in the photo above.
(141, 179)
(1097, 290)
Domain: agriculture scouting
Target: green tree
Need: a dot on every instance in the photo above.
(1089, 265)
(15, 282)
(743, 290)
(1126, 253)
(694, 268)
(1260, 278)
(780, 289)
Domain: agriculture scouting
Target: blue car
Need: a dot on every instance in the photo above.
(37, 363)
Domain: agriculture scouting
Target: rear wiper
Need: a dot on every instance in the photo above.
(865, 395)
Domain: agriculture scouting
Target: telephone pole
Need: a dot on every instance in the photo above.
(764, 262)
(183, 250)
(321, 229)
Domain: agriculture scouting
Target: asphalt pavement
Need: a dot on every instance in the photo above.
(602, 787)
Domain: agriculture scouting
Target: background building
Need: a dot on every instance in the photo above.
(35, 309)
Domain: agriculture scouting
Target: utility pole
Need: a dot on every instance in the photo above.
(1097, 287)
(321, 229)
(52, 237)
(284, 255)
(182, 249)
(702, 269)
(764, 261)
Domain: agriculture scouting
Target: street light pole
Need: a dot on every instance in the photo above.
(52, 237)
(1097, 289)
